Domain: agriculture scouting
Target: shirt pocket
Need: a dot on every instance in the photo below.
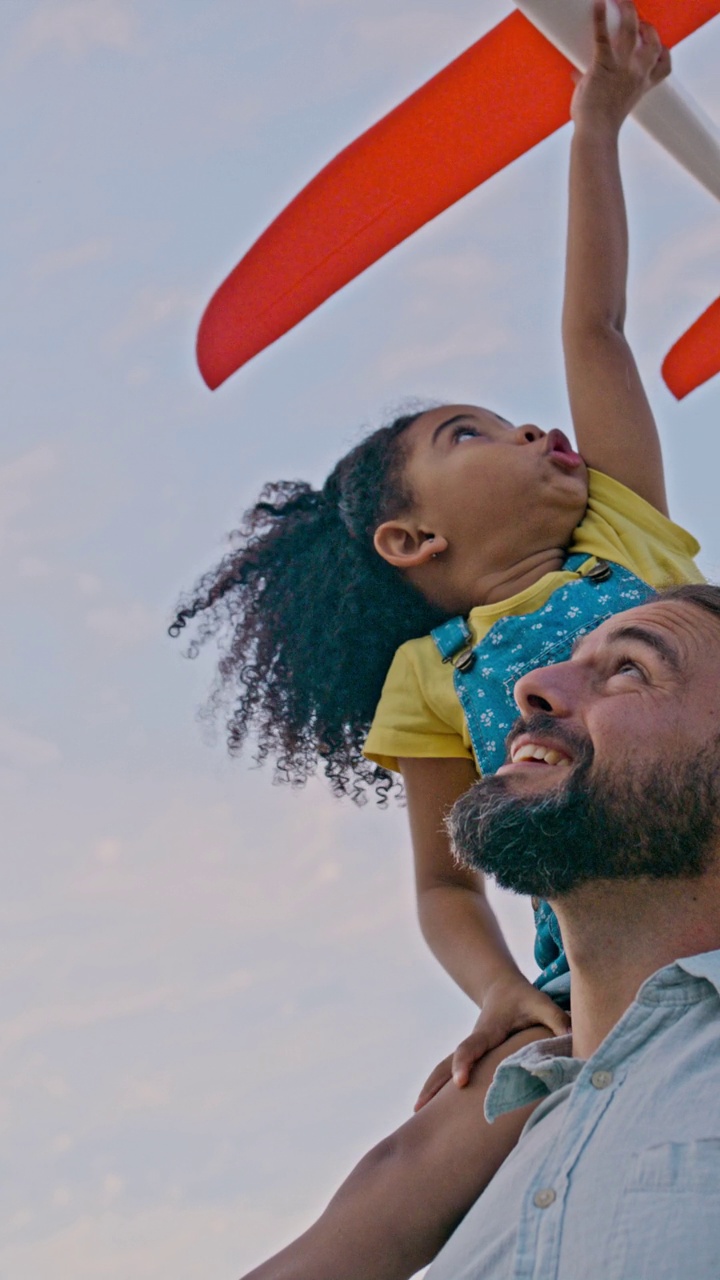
(668, 1223)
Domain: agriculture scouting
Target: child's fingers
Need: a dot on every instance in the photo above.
(435, 1082)
(649, 35)
(650, 43)
(555, 1019)
(629, 29)
(542, 1010)
(603, 46)
(662, 67)
(475, 1047)
(465, 1057)
(656, 53)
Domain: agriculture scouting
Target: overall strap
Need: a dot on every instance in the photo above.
(454, 637)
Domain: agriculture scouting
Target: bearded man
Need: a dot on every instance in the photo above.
(609, 808)
(617, 1172)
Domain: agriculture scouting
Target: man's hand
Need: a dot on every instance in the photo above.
(624, 67)
(511, 1005)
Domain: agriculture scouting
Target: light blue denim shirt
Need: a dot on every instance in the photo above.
(617, 1173)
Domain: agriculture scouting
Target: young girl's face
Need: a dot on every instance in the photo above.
(493, 498)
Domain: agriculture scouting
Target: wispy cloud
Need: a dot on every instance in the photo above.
(413, 43)
(147, 1093)
(124, 625)
(33, 567)
(468, 272)
(456, 299)
(178, 1239)
(22, 750)
(152, 308)
(76, 28)
(688, 266)
(433, 36)
(58, 261)
(70, 1016)
(19, 483)
(474, 339)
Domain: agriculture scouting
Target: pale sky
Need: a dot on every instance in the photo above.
(214, 993)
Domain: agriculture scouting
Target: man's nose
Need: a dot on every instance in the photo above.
(528, 433)
(549, 689)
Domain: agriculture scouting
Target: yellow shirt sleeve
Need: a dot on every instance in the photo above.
(406, 723)
(621, 526)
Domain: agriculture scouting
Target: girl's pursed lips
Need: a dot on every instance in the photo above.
(560, 451)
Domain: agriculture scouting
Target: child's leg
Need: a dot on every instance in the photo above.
(403, 1200)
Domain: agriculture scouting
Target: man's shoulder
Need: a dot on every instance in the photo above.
(685, 998)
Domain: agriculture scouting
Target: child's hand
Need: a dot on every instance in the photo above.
(510, 1005)
(624, 67)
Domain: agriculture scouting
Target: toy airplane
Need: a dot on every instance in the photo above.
(668, 114)
(492, 104)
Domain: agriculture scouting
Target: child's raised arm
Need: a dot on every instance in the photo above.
(614, 424)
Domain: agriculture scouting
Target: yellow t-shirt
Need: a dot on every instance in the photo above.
(419, 713)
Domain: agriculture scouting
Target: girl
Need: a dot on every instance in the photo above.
(504, 543)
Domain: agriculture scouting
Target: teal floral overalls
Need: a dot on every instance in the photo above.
(485, 675)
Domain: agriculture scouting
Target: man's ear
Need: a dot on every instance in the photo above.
(405, 546)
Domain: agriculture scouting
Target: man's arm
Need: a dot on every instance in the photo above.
(614, 424)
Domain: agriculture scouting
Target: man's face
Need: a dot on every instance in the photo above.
(614, 769)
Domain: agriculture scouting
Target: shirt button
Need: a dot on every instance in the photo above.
(601, 1079)
(543, 1199)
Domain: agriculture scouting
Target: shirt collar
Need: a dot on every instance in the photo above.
(706, 965)
(530, 1074)
(544, 1067)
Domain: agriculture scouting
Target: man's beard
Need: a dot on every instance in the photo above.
(633, 820)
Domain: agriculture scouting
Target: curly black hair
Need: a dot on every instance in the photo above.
(308, 617)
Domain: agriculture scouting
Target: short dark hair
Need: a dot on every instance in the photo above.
(706, 595)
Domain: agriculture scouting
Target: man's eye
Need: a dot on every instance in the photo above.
(628, 666)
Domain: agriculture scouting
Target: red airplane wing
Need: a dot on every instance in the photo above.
(497, 100)
(695, 356)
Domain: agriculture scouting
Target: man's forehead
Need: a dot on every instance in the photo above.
(678, 630)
